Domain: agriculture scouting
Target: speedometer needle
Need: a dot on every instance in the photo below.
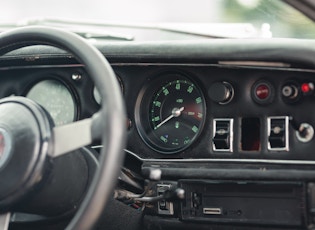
(176, 112)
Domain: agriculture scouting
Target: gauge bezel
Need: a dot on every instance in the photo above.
(60, 79)
(143, 104)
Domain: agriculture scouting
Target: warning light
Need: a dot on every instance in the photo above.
(262, 91)
(307, 87)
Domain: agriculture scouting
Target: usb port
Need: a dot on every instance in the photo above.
(212, 211)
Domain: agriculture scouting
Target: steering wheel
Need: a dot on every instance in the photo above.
(29, 143)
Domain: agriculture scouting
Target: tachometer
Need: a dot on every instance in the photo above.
(171, 113)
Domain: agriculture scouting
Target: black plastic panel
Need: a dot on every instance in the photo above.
(242, 106)
(247, 203)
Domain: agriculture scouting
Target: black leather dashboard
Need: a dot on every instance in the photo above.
(238, 62)
(262, 146)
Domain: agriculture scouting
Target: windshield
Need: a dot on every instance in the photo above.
(269, 18)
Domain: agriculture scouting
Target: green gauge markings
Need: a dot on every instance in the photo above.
(187, 140)
(172, 114)
(164, 139)
(190, 89)
(157, 103)
(175, 142)
(166, 92)
(198, 100)
(194, 129)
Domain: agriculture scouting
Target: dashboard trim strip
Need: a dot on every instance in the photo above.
(269, 67)
(291, 162)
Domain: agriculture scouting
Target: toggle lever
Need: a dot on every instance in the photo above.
(304, 131)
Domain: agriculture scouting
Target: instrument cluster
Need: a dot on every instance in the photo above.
(219, 112)
(186, 111)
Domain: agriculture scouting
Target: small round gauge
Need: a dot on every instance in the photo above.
(56, 98)
(171, 114)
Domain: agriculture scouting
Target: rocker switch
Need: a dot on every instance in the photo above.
(222, 134)
(278, 133)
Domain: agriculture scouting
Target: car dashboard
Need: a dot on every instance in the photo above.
(229, 122)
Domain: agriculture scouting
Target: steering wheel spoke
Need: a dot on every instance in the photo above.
(4, 221)
(71, 137)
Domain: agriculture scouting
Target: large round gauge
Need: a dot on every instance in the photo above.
(170, 114)
(56, 98)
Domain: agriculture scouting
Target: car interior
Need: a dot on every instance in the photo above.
(198, 133)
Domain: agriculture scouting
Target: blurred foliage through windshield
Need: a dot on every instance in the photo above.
(284, 21)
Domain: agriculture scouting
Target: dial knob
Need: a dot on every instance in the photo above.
(290, 92)
(221, 92)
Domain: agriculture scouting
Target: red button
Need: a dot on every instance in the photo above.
(262, 91)
(307, 87)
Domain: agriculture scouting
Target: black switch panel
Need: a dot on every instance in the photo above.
(164, 207)
(278, 138)
(223, 134)
(311, 201)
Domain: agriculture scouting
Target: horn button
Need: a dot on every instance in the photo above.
(5, 146)
(25, 131)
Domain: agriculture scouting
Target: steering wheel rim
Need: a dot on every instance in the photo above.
(110, 120)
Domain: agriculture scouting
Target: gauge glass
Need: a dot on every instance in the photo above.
(171, 117)
(56, 98)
